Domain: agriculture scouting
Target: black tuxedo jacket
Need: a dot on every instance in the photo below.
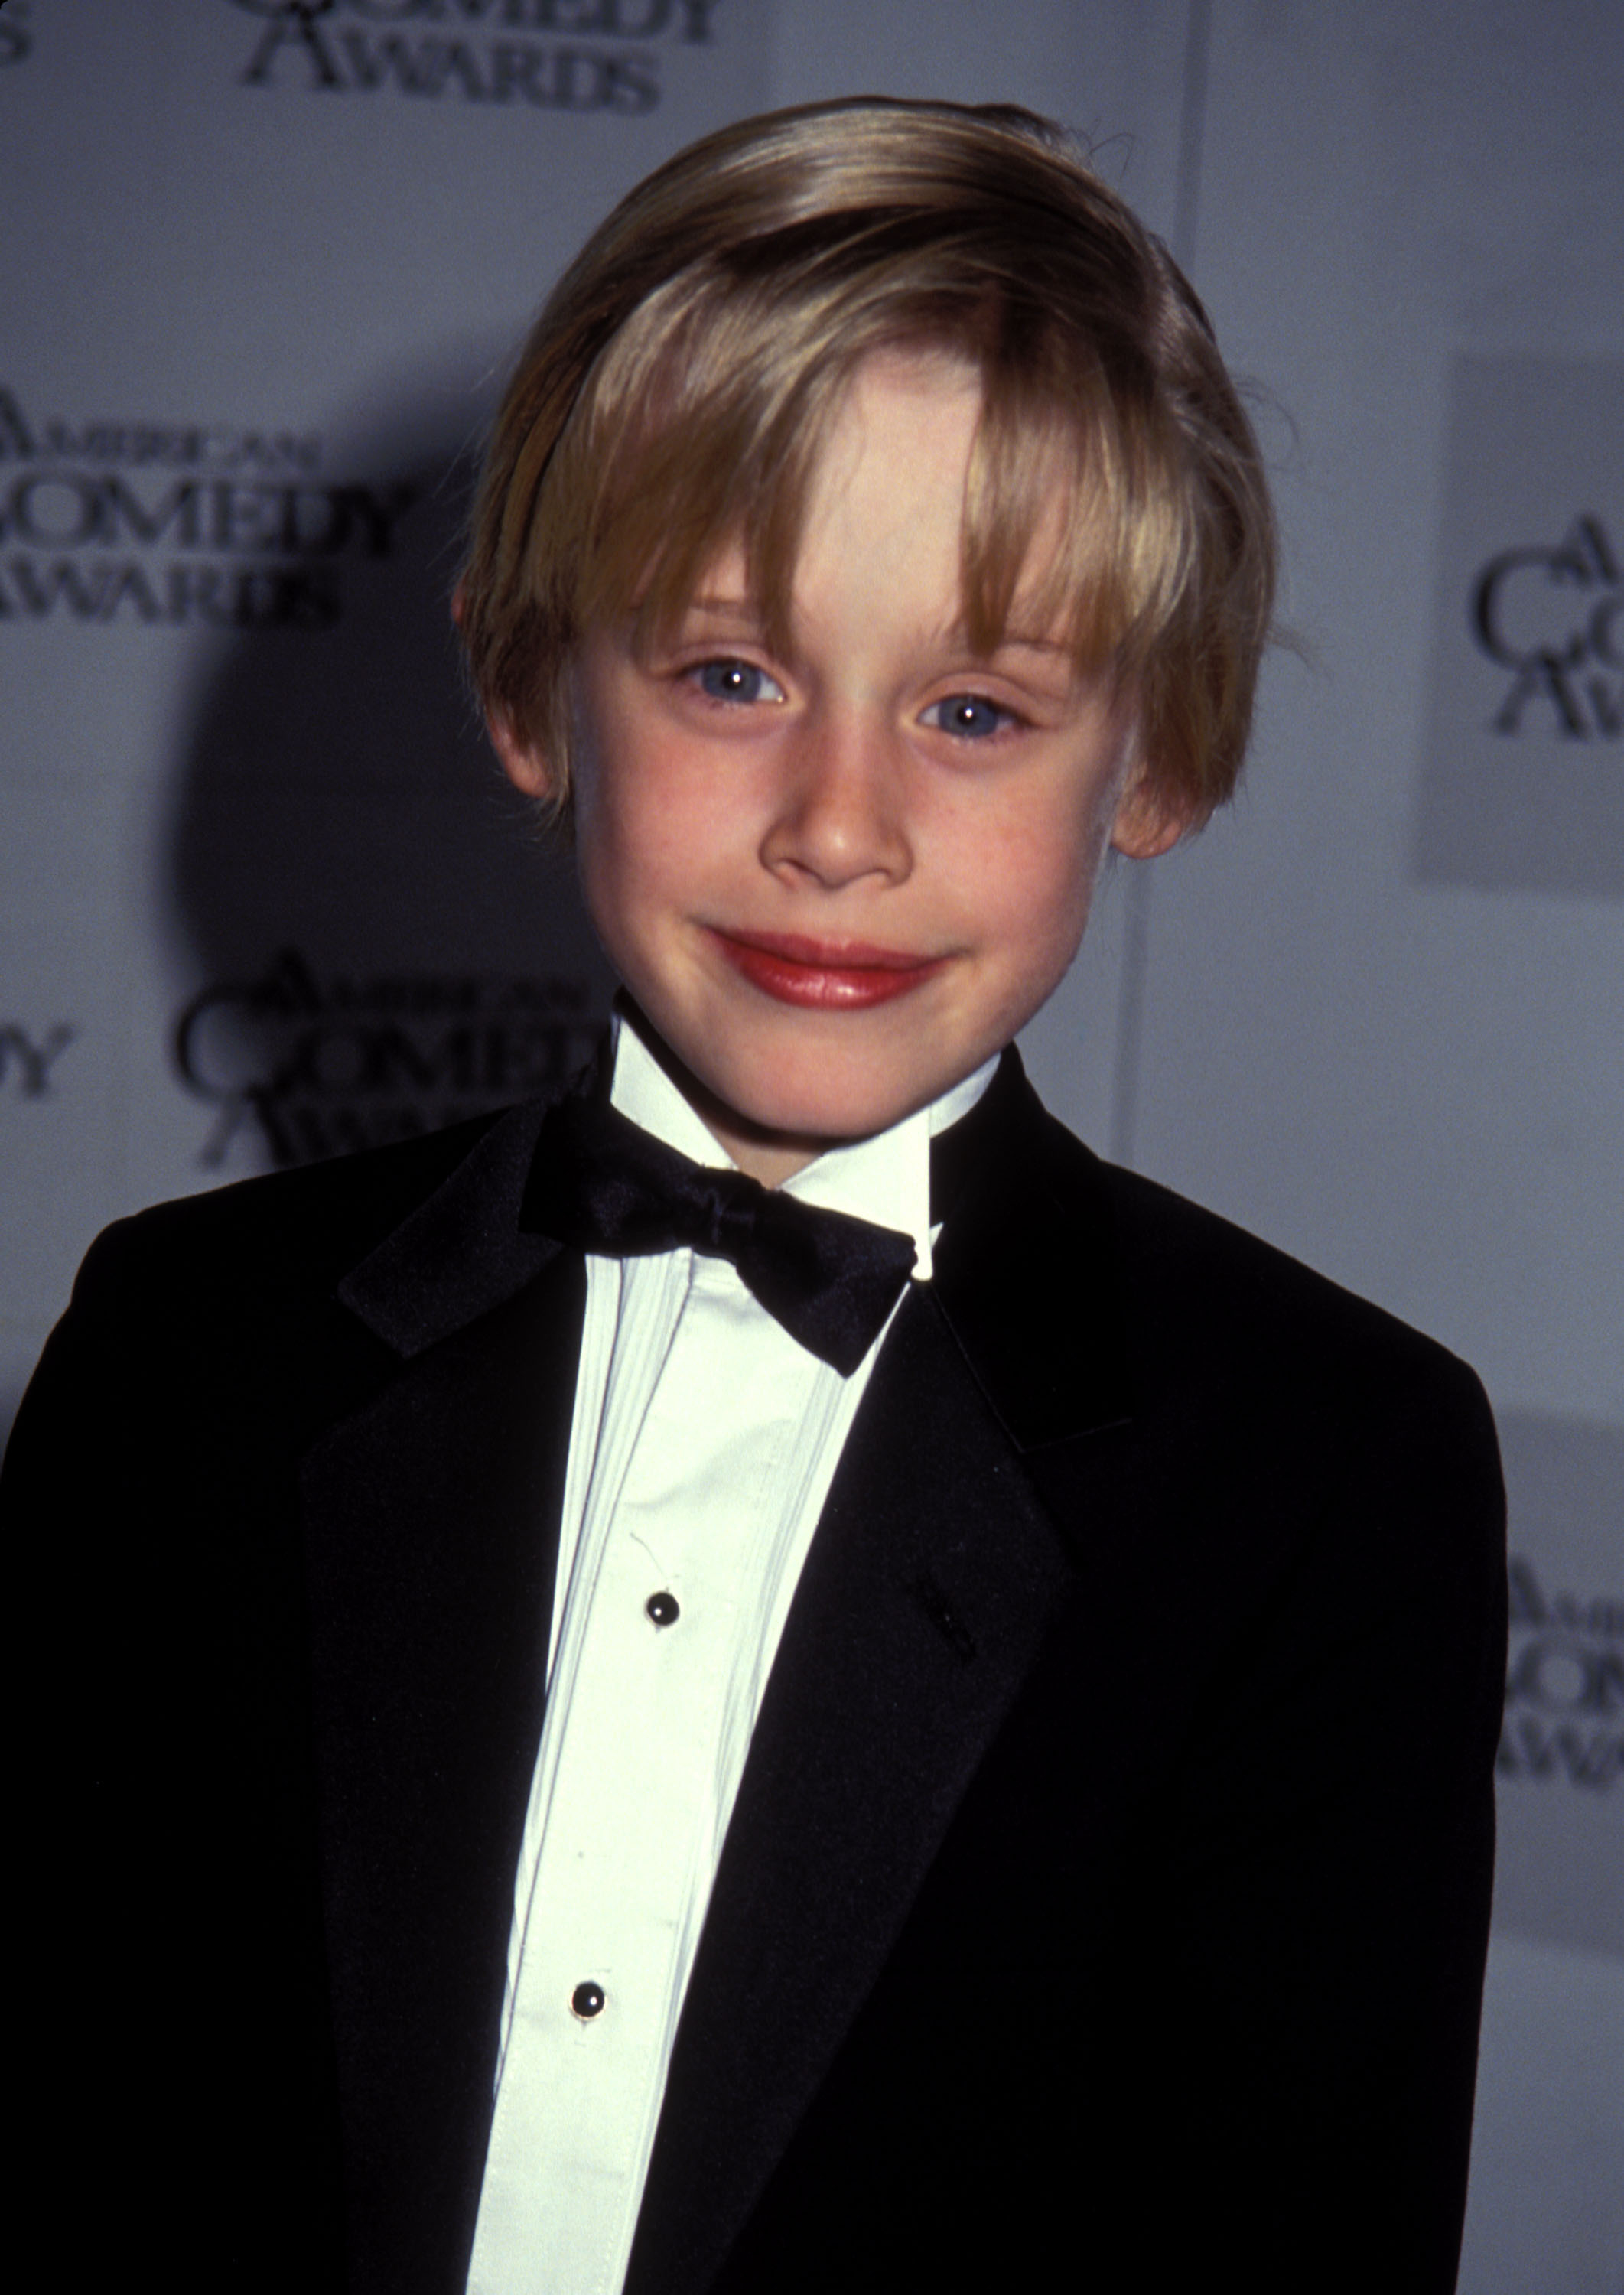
(1106, 1895)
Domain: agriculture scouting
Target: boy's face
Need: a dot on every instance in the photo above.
(836, 880)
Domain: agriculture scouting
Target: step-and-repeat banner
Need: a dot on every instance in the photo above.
(266, 897)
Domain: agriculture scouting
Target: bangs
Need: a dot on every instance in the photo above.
(1073, 527)
(704, 427)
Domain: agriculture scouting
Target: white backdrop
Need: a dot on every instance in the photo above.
(263, 895)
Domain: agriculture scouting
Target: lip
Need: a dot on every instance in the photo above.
(825, 975)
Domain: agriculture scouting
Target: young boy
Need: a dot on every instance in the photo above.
(768, 1678)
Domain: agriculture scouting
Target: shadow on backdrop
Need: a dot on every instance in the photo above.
(383, 943)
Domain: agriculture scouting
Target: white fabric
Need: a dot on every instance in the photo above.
(702, 1449)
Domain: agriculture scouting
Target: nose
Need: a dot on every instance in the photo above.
(842, 810)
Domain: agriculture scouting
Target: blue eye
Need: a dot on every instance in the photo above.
(971, 716)
(736, 681)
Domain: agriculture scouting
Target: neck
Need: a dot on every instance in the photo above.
(771, 1157)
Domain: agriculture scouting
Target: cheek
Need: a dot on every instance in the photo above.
(1036, 883)
(608, 865)
(1056, 914)
(646, 843)
(1076, 847)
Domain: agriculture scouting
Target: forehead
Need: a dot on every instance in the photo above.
(891, 477)
(931, 397)
(904, 483)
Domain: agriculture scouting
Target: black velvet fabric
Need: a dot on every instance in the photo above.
(1107, 1897)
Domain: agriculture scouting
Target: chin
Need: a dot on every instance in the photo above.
(824, 1109)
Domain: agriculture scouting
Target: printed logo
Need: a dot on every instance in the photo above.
(606, 56)
(1564, 1688)
(27, 1057)
(1521, 767)
(299, 1069)
(178, 525)
(1553, 616)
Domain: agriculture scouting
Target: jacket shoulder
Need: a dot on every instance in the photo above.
(1277, 1425)
(292, 1229)
(230, 1305)
(1210, 1300)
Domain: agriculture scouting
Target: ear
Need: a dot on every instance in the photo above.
(1150, 819)
(524, 763)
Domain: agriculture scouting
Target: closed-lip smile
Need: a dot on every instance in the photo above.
(839, 976)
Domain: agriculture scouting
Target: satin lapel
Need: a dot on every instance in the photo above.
(461, 1252)
(927, 1592)
(431, 1526)
(933, 1581)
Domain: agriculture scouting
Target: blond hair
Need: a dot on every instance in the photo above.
(676, 391)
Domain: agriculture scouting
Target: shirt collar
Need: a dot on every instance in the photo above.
(884, 1180)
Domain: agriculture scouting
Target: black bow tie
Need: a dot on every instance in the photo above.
(601, 1184)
